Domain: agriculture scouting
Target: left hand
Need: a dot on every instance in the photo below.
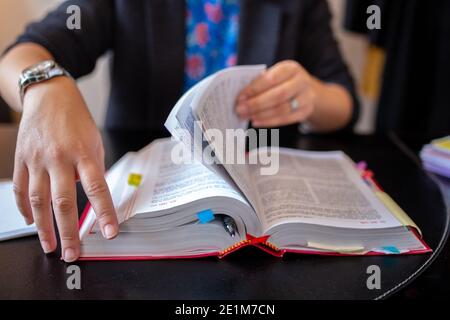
(283, 95)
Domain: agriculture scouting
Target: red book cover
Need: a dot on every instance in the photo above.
(263, 242)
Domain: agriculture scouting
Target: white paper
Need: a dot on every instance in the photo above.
(214, 106)
(319, 188)
(12, 224)
(166, 185)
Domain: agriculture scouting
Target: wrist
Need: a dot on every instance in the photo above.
(332, 107)
(36, 92)
(38, 73)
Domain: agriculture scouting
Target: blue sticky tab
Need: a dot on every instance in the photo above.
(391, 249)
(205, 216)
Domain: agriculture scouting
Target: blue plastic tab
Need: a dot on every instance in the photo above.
(391, 249)
(205, 216)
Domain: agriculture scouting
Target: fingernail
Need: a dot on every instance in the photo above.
(46, 246)
(109, 231)
(69, 255)
(29, 221)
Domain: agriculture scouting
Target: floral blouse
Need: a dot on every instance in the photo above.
(212, 28)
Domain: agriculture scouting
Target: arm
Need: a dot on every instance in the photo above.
(11, 66)
(58, 141)
(333, 106)
(75, 50)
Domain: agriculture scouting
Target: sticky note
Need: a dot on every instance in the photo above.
(442, 144)
(205, 216)
(395, 209)
(134, 179)
(391, 249)
(361, 165)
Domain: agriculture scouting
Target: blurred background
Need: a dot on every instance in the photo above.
(364, 51)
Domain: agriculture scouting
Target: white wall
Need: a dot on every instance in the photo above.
(14, 14)
(354, 48)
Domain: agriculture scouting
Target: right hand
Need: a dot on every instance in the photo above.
(58, 142)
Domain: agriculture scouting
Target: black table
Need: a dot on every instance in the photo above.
(26, 273)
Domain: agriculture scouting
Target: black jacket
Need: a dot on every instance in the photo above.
(147, 38)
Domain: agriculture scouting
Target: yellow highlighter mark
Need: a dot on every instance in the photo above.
(135, 179)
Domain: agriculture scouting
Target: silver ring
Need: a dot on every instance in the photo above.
(294, 104)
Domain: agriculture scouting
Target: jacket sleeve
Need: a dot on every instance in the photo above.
(319, 52)
(76, 50)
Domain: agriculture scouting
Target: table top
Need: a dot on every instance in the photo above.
(26, 273)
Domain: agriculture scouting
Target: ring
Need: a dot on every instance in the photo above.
(294, 104)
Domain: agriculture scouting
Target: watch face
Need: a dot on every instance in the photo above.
(41, 67)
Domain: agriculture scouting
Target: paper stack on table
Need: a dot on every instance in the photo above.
(12, 224)
(436, 157)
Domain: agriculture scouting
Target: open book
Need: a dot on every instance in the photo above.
(206, 203)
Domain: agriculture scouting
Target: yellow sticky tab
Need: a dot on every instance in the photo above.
(134, 179)
(395, 209)
(443, 144)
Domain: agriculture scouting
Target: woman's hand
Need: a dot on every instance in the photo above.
(285, 94)
(58, 142)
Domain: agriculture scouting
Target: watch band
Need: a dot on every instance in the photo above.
(32, 75)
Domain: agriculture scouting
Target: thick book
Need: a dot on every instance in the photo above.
(207, 203)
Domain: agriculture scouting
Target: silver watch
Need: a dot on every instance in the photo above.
(40, 72)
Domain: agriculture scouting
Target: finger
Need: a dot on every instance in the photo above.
(64, 194)
(39, 190)
(277, 111)
(286, 116)
(272, 97)
(272, 77)
(97, 191)
(20, 189)
(101, 159)
(274, 122)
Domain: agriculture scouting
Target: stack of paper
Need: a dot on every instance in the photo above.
(436, 156)
(12, 225)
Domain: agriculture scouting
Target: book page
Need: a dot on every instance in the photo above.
(181, 120)
(214, 106)
(166, 184)
(183, 125)
(318, 188)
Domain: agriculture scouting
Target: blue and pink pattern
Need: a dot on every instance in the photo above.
(212, 28)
